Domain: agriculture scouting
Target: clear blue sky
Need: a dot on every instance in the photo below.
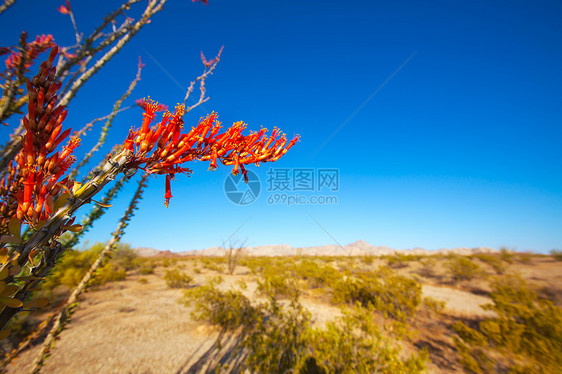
(443, 117)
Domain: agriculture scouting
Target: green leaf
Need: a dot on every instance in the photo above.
(40, 224)
(10, 302)
(4, 334)
(9, 239)
(3, 255)
(9, 290)
(14, 269)
(73, 228)
(102, 204)
(4, 273)
(36, 303)
(14, 226)
(61, 200)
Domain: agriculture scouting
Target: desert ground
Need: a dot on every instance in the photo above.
(142, 325)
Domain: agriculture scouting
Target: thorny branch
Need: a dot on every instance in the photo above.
(12, 96)
(107, 126)
(209, 68)
(154, 6)
(6, 5)
(69, 305)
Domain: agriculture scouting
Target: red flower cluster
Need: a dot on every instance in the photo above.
(33, 49)
(169, 147)
(28, 191)
(32, 191)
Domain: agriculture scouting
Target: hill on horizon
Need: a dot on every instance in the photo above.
(357, 248)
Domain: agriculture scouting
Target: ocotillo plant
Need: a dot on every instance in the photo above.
(67, 308)
(36, 192)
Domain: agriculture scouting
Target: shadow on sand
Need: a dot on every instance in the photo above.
(227, 352)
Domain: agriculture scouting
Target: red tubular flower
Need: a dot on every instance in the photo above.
(65, 9)
(159, 107)
(29, 185)
(163, 148)
(32, 50)
(29, 190)
(168, 194)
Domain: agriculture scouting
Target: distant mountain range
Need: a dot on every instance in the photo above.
(358, 248)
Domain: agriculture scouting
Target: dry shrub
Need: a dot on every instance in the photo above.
(527, 332)
(393, 295)
(556, 254)
(226, 309)
(427, 268)
(213, 263)
(495, 261)
(177, 279)
(279, 286)
(75, 263)
(280, 338)
(433, 305)
(463, 268)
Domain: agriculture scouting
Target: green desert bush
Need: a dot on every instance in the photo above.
(463, 268)
(147, 268)
(474, 359)
(326, 259)
(316, 275)
(110, 272)
(279, 338)
(355, 344)
(279, 286)
(115, 268)
(75, 263)
(255, 264)
(525, 258)
(427, 268)
(261, 265)
(226, 309)
(368, 259)
(72, 267)
(125, 257)
(556, 254)
(277, 342)
(167, 262)
(176, 278)
(287, 278)
(527, 331)
(213, 263)
(496, 262)
(507, 255)
(401, 260)
(433, 304)
(394, 295)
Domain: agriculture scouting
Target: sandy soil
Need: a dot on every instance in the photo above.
(134, 327)
(459, 303)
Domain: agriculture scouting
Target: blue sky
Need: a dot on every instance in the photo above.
(443, 118)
